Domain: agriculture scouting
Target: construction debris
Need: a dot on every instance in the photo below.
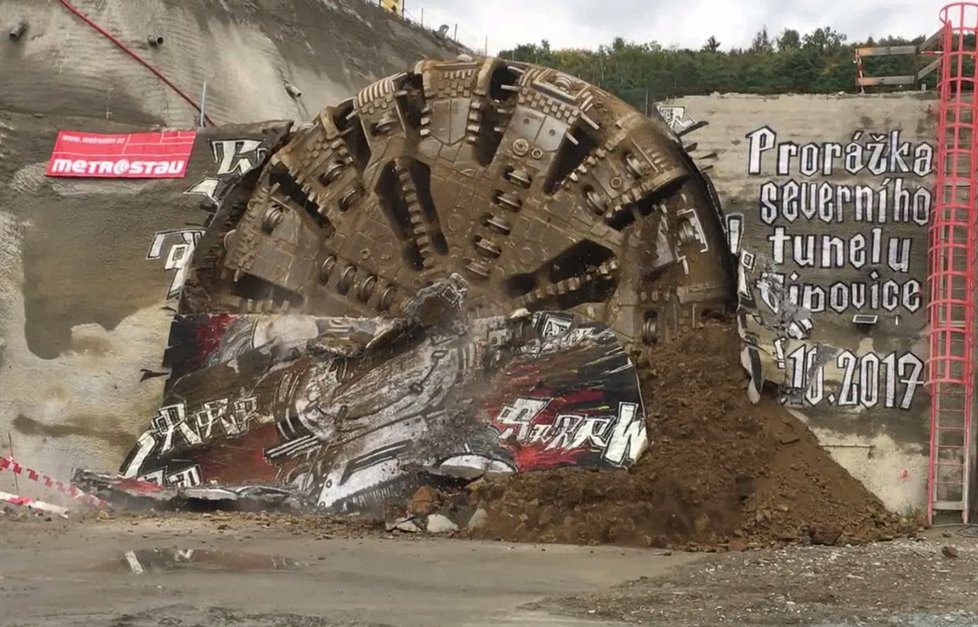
(721, 472)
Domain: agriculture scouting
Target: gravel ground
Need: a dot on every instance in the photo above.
(928, 580)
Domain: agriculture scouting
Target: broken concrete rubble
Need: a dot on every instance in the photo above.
(436, 523)
(133, 493)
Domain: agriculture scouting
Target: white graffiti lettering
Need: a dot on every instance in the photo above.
(519, 416)
(841, 297)
(622, 438)
(676, 117)
(628, 437)
(198, 427)
(833, 251)
(232, 156)
(893, 201)
(883, 153)
(869, 380)
(237, 155)
(176, 247)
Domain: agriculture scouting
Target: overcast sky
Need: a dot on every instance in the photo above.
(685, 23)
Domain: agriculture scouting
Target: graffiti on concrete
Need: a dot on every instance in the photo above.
(234, 158)
(676, 117)
(348, 411)
(844, 222)
(176, 248)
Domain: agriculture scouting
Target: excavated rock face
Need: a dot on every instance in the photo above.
(542, 191)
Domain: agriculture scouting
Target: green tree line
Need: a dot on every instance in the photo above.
(821, 61)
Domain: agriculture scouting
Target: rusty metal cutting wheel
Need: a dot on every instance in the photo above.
(543, 191)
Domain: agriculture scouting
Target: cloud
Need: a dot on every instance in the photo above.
(686, 23)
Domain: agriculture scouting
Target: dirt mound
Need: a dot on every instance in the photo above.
(719, 471)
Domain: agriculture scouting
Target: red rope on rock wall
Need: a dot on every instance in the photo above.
(132, 53)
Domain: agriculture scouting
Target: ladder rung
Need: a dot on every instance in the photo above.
(949, 505)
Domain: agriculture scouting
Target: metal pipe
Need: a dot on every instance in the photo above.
(18, 30)
(294, 91)
(203, 105)
(155, 40)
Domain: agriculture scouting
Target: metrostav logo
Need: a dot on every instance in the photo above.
(118, 167)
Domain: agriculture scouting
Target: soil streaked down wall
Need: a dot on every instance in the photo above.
(245, 51)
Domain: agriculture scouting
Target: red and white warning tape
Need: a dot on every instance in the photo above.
(7, 463)
(26, 501)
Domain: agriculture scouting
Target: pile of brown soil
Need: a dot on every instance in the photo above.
(719, 471)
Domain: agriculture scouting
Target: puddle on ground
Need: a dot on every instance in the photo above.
(144, 561)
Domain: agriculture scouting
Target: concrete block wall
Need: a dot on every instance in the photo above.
(828, 198)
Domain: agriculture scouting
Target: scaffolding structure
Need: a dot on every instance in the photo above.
(915, 79)
(952, 267)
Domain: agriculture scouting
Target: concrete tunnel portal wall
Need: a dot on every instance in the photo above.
(87, 274)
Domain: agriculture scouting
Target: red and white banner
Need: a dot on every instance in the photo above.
(161, 155)
(28, 502)
(7, 463)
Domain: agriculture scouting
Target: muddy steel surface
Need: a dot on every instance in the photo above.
(229, 570)
(216, 571)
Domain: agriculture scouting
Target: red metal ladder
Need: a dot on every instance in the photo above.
(952, 267)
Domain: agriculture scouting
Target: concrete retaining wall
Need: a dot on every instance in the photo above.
(829, 198)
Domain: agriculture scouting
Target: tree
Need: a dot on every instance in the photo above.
(817, 62)
(788, 40)
(823, 39)
(762, 42)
